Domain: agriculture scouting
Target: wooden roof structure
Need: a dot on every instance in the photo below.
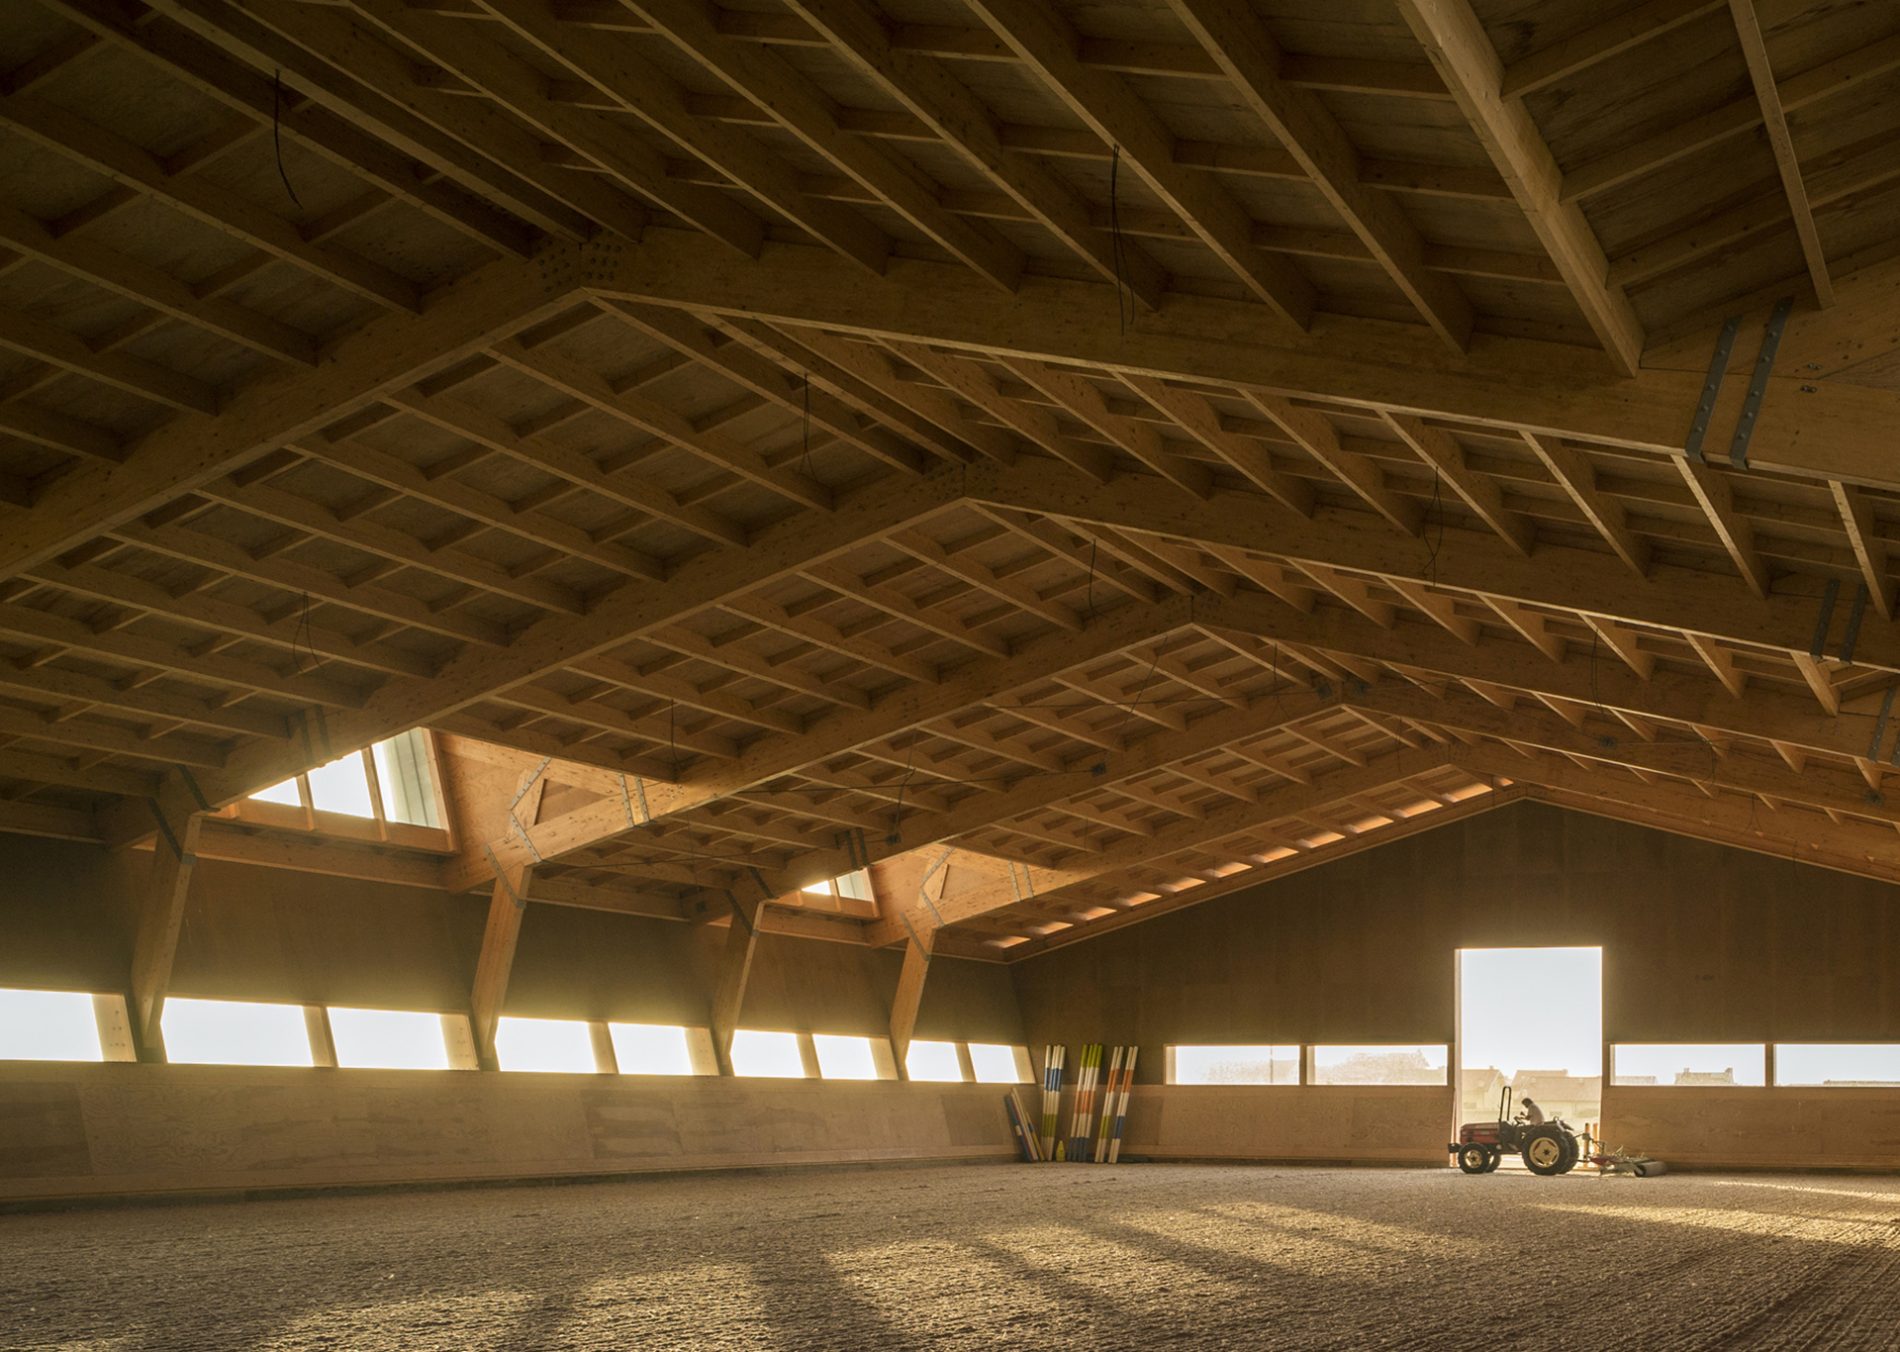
(1074, 458)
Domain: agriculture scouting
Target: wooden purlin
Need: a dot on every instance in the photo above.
(1527, 433)
(1515, 384)
(1114, 630)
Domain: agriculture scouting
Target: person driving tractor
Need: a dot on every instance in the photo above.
(1532, 1114)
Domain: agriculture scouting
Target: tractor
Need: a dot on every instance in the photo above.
(1548, 1148)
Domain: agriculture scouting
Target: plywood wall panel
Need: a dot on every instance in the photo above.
(128, 1129)
(65, 914)
(1757, 1128)
(1385, 1125)
(1701, 943)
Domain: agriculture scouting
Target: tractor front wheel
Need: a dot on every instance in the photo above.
(1474, 1159)
(1493, 1157)
(1545, 1154)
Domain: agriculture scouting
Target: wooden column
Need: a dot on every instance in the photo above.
(500, 936)
(178, 813)
(892, 889)
(506, 904)
(808, 1057)
(606, 1060)
(735, 967)
(316, 1022)
(910, 995)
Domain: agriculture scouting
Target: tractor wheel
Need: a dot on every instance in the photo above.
(1473, 1158)
(1544, 1152)
(1573, 1151)
(1493, 1157)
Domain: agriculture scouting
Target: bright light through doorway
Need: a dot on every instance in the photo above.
(1531, 1018)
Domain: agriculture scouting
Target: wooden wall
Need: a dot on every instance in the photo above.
(1701, 943)
(1316, 1123)
(255, 933)
(69, 1131)
(1759, 1128)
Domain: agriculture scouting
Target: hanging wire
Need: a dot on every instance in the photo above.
(303, 648)
(277, 133)
(897, 816)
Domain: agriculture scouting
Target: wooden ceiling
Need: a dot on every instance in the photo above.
(1100, 455)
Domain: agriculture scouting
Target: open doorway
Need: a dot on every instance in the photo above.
(1532, 1019)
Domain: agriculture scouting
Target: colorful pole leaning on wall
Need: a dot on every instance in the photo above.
(1121, 1106)
(1089, 1076)
(1052, 1057)
(1025, 1139)
(1098, 1152)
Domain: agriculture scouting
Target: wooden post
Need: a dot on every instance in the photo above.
(735, 969)
(606, 1061)
(506, 905)
(808, 1057)
(459, 1038)
(965, 1066)
(909, 997)
(115, 1028)
(178, 810)
(316, 1022)
(889, 887)
(500, 936)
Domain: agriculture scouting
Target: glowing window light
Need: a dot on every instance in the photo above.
(235, 1033)
(342, 787)
(933, 1061)
(1689, 1064)
(388, 1039)
(651, 1049)
(1824, 1065)
(406, 776)
(852, 886)
(996, 1064)
(48, 1026)
(284, 793)
(1420, 1063)
(1251, 1064)
(550, 1046)
(769, 1055)
(845, 1058)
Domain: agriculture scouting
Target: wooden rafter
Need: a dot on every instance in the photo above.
(1456, 42)
(730, 409)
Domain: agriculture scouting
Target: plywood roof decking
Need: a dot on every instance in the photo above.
(1146, 447)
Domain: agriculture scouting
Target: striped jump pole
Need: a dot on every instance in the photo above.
(1019, 1126)
(1098, 1153)
(1091, 1068)
(1075, 1104)
(1052, 1058)
(1121, 1106)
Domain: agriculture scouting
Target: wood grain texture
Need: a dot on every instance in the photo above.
(132, 1129)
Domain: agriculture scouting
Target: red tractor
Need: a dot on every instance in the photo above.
(1548, 1148)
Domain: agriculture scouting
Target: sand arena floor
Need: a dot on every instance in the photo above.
(995, 1256)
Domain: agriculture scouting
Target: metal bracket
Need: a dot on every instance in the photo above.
(1705, 407)
(1758, 382)
(1880, 727)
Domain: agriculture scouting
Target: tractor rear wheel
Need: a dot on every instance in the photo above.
(1544, 1152)
(1473, 1159)
(1573, 1151)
